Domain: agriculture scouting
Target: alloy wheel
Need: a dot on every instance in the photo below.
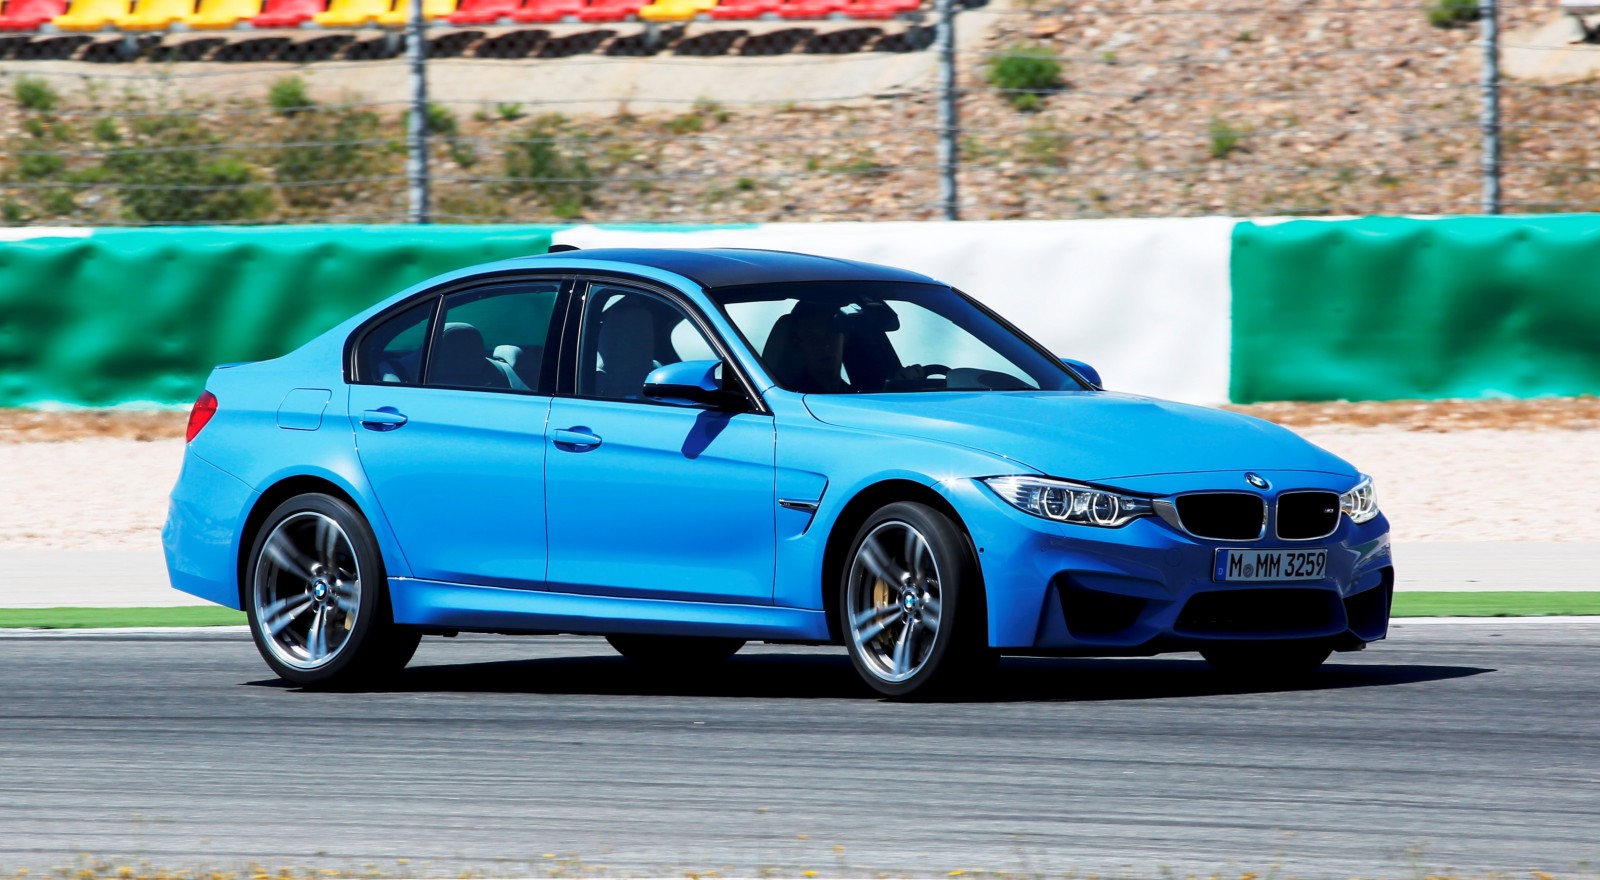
(307, 590)
(893, 601)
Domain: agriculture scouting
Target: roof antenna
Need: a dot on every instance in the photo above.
(561, 248)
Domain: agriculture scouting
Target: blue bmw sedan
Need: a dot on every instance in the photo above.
(684, 450)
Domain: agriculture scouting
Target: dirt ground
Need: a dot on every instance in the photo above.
(1445, 471)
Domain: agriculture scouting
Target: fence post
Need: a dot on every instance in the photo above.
(417, 118)
(949, 125)
(1488, 18)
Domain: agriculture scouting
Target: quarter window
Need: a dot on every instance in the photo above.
(393, 351)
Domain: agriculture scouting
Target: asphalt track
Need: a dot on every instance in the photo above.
(1453, 747)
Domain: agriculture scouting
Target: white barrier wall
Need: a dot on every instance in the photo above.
(1147, 302)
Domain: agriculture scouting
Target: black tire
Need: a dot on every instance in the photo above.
(912, 632)
(675, 652)
(1279, 662)
(314, 567)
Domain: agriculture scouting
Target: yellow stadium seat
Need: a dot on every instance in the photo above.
(91, 15)
(222, 13)
(155, 15)
(675, 10)
(431, 9)
(351, 13)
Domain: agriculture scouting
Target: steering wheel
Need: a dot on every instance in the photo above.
(934, 370)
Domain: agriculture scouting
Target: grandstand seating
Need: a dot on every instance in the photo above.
(92, 15)
(737, 10)
(675, 10)
(609, 10)
(154, 15)
(545, 11)
(877, 8)
(483, 11)
(807, 8)
(28, 15)
(214, 14)
(401, 14)
(286, 13)
(351, 13)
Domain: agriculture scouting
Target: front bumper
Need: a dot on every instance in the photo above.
(1147, 588)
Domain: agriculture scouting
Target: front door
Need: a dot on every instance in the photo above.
(646, 499)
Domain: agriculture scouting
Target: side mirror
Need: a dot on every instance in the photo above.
(1084, 370)
(691, 383)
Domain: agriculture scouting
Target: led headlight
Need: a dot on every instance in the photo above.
(1359, 503)
(1069, 502)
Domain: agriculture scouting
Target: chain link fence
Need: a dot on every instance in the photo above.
(1126, 108)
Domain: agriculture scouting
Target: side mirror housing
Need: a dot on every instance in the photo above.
(691, 383)
(1084, 370)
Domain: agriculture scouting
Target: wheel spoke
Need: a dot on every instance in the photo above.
(900, 663)
(873, 621)
(327, 543)
(915, 549)
(281, 613)
(287, 557)
(317, 640)
(879, 563)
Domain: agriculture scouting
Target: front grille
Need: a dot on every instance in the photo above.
(1224, 516)
(1303, 516)
(1275, 611)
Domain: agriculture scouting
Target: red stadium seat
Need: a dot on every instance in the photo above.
(808, 8)
(545, 11)
(877, 8)
(610, 10)
(28, 15)
(287, 13)
(738, 10)
(483, 11)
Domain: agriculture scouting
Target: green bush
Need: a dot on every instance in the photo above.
(1225, 139)
(325, 152)
(1026, 75)
(35, 94)
(539, 164)
(167, 174)
(1449, 13)
(288, 96)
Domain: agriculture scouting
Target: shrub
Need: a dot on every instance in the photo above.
(1026, 75)
(1225, 139)
(167, 174)
(288, 96)
(35, 94)
(539, 164)
(1449, 13)
(325, 152)
(509, 112)
(440, 121)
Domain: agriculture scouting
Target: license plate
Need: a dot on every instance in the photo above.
(1270, 565)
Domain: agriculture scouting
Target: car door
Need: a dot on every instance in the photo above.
(449, 406)
(647, 499)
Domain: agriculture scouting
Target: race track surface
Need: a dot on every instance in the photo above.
(1451, 748)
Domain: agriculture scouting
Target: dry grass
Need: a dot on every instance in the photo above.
(1564, 413)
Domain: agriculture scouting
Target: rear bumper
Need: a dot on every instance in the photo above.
(204, 519)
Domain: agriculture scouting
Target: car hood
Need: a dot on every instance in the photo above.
(1094, 436)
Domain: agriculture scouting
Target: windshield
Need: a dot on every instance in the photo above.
(864, 337)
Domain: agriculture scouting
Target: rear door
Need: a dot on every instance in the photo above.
(449, 409)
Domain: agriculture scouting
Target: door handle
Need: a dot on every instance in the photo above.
(385, 418)
(575, 439)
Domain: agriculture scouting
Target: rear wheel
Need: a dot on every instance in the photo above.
(912, 613)
(316, 600)
(675, 651)
(1267, 661)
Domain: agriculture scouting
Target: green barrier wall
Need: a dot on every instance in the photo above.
(1388, 308)
(143, 315)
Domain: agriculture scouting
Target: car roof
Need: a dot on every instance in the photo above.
(734, 267)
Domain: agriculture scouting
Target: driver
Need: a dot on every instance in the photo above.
(821, 346)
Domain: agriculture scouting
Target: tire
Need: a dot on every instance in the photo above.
(1267, 661)
(315, 595)
(675, 652)
(911, 604)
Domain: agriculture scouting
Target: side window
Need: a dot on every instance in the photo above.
(627, 333)
(494, 338)
(392, 352)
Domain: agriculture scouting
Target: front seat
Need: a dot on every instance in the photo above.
(627, 350)
(461, 361)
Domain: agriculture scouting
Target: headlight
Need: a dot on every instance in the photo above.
(1067, 502)
(1359, 503)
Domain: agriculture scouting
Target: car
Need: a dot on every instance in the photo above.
(687, 450)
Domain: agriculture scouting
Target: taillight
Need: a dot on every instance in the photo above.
(205, 406)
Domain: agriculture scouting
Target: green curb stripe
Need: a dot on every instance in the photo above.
(1509, 604)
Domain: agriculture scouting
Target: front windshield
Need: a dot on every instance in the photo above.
(864, 337)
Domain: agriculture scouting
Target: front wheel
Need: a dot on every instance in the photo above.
(912, 609)
(315, 596)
